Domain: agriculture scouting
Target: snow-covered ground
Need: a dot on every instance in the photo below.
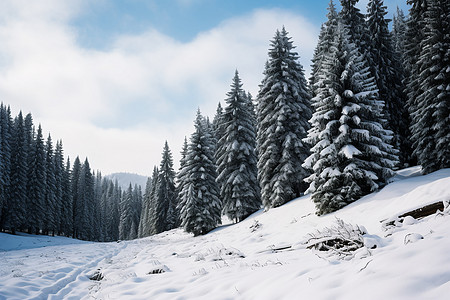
(411, 260)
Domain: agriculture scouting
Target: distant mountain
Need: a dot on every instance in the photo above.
(124, 179)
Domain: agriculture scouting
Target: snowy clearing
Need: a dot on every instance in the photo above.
(262, 257)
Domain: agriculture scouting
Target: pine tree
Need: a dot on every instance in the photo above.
(15, 207)
(86, 204)
(76, 201)
(49, 223)
(137, 208)
(58, 161)
(283, 113)
(200, 206)
(165, 197)
(143, 220)
(67, 202)
(399, 34)
(180, 180)
(327, 33)
(126, 225)
(429, 89)
(36, 184)
(388, 76)
(351, 155)
(5, 156)
(353, 20)
(236, 158)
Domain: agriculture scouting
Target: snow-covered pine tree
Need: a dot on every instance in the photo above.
(36, 184)
(15, 207)
(283, 111)
(236, 158)
(200, 206)
(180, 180)
(49, 222)
(126, 224)
(399, 34)
(152, 202)
(388, 74)
(137, 208)
(351, 155)
(143, 227)
(113, 211)
(326, 35)
(431, 106)
(165, 197)
(354, 21)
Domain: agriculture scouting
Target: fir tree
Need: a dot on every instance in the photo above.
(165, 197)
(236, 158)
(5, 156)
(36, 185)
(67, 202)
(180, 180)
(326, 36)
(126, 225)
(399, 34)
(353, 20)
(76, 202)
(58, 161)
(143, 230)
(14, 210)
(200, 205)
(283, 113)
(351, 155)
(49, 222)
(430, 107)
(388, 76)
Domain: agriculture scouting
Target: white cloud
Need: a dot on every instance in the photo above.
(117, 106)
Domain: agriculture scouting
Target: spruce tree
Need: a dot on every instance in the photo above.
(354, 21)
(430, 89)
(200, 206)
(236, 158)
(36, 184)
(351, 152)
(388, 75)
(58, 161)
(49, 222)
(165, 197)
(67, 201)
(143, 220)
(180, 180)
(5, 156)
(15, 207)
(282, 117)
(327, 33)
(76, 201)
(127, 225)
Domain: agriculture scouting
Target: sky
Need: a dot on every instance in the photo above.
(116, 79)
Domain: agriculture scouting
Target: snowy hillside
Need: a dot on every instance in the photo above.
(263, 257)
(124, 180)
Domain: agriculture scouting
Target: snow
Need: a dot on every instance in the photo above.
(349, 151)
(241, 261)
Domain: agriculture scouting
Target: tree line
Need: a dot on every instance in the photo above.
(42, 193)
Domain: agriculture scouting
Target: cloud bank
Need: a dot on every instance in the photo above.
(117, 106)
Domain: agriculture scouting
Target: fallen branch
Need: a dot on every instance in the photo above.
(419, 213)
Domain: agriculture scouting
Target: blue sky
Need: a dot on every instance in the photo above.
(115, 79)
